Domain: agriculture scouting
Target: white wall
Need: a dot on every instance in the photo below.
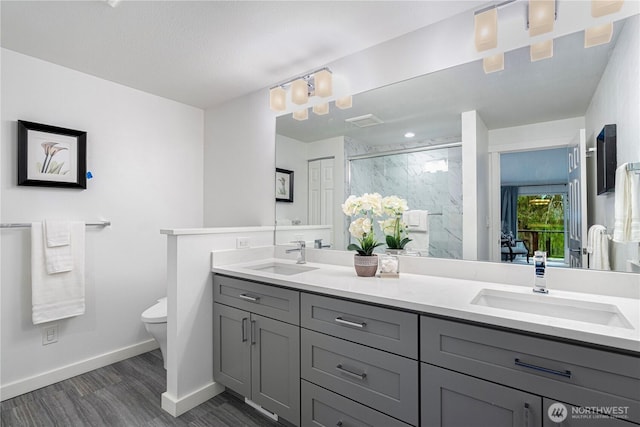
(239, 163)
(145, 154)
(617, 100)
(190, 311)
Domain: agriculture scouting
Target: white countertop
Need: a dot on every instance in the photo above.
(450, 297)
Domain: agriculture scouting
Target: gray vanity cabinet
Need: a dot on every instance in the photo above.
(357, 354)
(255, 355)
(478, 362)
(450, 399)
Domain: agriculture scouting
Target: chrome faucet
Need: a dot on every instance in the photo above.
(302, 258)
(317, 244)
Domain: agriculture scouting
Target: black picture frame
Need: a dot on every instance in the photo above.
(284, 185)
(38, 146)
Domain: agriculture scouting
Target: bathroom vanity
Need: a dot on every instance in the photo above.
(321, 347)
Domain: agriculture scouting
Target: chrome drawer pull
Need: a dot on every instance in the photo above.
(565, 374)
(244, 328)
(361, 376)
(249, 297)
(348, 323)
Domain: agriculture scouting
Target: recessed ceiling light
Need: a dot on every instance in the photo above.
(409, 135)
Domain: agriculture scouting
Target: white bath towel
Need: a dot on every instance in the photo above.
(598, 247)
(57, 246)
(418, 229)
(57, 233)
(627, 206)
(60, 295)
(416, 220)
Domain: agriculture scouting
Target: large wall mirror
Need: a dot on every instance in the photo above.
(541, 118)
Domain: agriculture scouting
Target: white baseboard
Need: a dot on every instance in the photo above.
(26, 385)
(177, 407)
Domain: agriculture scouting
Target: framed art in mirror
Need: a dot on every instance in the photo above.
(51, 156)
(284, 185)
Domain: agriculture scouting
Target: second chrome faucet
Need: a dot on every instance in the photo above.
(302, 258)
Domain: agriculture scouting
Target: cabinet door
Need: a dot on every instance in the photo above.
(275, 361)
(558, 414)
(231, 348)
(450, 399)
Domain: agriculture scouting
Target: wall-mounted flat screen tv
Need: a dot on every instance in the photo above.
(606, 162)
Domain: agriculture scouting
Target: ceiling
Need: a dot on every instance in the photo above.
(524, 92)
(204, 53)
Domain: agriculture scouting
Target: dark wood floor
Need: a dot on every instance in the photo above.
(127, 394)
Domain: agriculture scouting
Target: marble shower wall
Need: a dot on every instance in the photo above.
(405, 175)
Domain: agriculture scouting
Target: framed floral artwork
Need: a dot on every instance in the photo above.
(284, 185)
(51, 156)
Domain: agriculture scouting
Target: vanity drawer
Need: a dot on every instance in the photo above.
(320, 407)
(375, 378)
(567, 372)
(386, 329)
(270, 301)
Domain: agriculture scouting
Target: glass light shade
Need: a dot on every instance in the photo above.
(486, 30)
(605, 7)
(321, 109)
(600, 34)
(323, 83)
(542, 15)
(299, 92)
(278, 99)
(344, 102)
(542, 50)
(493, 63)
(301, 114)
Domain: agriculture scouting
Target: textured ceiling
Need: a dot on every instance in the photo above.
(204, 53)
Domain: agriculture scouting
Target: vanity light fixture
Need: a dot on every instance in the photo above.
(541, 50)
(598, 35)
(321, 109)
(605, 7)
(541, 16)
(486, 29)
(318, 83)
(301, 114)
(493, 63)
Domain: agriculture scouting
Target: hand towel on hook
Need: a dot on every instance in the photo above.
(60, 295)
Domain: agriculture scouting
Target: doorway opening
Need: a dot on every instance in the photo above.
(534, 203)
(542, 224)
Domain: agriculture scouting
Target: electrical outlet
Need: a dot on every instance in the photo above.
(50, 334)
(242, 242)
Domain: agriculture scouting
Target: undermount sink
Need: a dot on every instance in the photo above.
(283, 269)
(545, 305)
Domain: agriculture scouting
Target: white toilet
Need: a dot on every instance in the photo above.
(155, 321)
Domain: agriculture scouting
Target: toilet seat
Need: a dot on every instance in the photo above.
(156, 313)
